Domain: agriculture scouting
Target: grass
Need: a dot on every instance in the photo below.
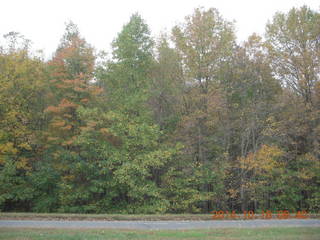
(115, 217)
(308, 233)
(107, 217)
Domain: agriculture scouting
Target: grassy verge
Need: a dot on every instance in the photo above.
(107, 217)
(217, 234)
(118, 217)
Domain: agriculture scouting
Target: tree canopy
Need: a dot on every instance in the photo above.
(190, 121)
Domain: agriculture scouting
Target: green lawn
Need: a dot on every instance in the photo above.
(218, 234)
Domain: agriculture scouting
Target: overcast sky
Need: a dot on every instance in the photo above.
(99, 21)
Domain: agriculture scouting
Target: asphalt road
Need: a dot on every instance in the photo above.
(153, 225)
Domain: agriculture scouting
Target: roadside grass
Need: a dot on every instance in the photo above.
(106, 217)
(123, 217)
(300, 233)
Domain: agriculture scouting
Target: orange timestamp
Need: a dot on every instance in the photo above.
(281, 214)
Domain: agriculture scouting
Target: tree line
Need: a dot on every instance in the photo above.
(190, 121)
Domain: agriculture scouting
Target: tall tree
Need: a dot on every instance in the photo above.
(71, 71)
(250, 92)
(294, 47)
(167, 86)
(22, 98)
(205, 43)
(138, 161)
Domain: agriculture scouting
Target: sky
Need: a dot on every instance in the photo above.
(99, 21)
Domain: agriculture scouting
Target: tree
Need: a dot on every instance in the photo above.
(205, 43)
(192, 122)
(71, 72)
(250, 93)
(294, 45)
(260, 172)
(22, 80)
(167, 86)
(136, 164)
(129, 72)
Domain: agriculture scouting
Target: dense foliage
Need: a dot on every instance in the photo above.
(189, 122)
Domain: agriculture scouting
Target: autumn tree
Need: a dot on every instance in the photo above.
(71, 73)
(294, 47)
(192, 122)
(22, 98)
(204, 42)
(250, 92)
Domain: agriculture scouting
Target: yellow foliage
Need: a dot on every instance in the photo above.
(104, 131)
(23, 164)
(68, 178)
(25, 146)
(233, 193)
(265, 159)
(8, 148)
(307, 173)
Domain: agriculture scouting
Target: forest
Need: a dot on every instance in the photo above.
(190, 121)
